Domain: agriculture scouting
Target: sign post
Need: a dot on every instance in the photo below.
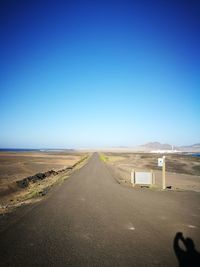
(133, 177)
(161, 163)
(163, 174)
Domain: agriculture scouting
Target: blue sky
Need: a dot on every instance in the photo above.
(99, 73)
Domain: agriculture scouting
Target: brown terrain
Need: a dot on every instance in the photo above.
(92, 220)
(182, 170)
(16, 167)
(28, 175)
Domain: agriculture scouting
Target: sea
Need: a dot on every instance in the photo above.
(32, 150)
(18, 149)
(196, 155)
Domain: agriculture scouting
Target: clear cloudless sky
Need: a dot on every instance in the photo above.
(99, 73)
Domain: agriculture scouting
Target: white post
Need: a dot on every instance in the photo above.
(133, 177)
(152, 177)
(163, 174)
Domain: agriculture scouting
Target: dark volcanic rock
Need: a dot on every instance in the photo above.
(34, 178)
(40, 176)
(23, 183)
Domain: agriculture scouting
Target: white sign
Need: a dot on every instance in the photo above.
(143, 178)
(160, 162)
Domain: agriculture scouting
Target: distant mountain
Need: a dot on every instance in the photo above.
(196, 145)
(192, 148)
(159, 146)
(155, 146)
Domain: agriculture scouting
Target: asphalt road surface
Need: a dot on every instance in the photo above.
(92, 220)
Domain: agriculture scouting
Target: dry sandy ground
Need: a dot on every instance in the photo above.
(34, 188)
(17, 165)
(183, 171)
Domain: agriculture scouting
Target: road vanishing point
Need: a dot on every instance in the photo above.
(92, 220)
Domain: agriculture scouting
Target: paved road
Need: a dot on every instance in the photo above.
(91, 220)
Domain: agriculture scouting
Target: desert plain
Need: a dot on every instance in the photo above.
(182, 169)
(83, 206)
(15, 166)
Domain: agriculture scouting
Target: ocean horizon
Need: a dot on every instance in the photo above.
(32, 149)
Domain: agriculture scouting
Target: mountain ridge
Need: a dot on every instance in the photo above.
(165, 146)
